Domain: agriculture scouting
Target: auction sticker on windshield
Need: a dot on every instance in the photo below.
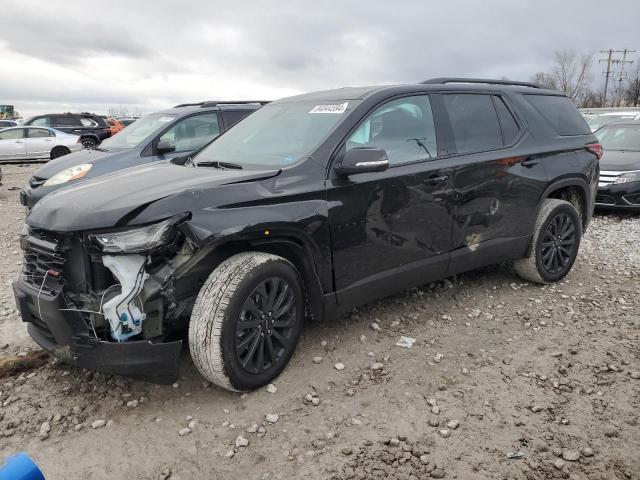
(339, 108)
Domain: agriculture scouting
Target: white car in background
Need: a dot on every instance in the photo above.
(36, 143)
(606, 118)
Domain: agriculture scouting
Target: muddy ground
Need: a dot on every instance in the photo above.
(505, 381)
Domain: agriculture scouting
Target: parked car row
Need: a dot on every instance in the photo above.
(308, 207)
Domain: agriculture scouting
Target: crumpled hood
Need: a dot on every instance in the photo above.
(94, 157)
(618, 161)
(105, 201)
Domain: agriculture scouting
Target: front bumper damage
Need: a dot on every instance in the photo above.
(62, 332)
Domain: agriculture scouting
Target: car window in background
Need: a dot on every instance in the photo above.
(278, 134)
(38, 133)
(138, 131)
(561, 114)
(192, 132)
(623, 137)
(404, 128)
(231, 117)
(474, 122)
(509, 126)
(602, 120)
(13, 134)
(41, 122)
(87, 122)
(65, 121)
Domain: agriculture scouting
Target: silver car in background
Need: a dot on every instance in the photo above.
(36, 143)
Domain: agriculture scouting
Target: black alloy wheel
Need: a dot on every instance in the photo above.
(559, 243)
(265, 326)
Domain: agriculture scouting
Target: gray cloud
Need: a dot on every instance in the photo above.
(159, 54)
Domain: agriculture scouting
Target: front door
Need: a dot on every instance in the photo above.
(39, 142)
(12, 144)
(391, 230)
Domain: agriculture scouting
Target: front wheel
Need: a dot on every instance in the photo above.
(247, 320)
(555, 244)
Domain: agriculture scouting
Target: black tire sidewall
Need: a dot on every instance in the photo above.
(573, 214)
(238, 377)
(59, 152)
(94, 144)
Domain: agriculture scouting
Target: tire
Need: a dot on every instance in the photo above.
(231, 317)
(89, 142)
(555, 244)
(59, 152)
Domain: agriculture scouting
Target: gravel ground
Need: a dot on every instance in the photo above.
(505, 381)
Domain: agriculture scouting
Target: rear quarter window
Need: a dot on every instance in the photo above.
(560, 113)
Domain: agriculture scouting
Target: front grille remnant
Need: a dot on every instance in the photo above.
(43, 263)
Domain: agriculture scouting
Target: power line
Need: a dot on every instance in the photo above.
(610, 61)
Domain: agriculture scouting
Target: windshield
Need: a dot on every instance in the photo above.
(596, 122)
(135, 133)
(278, 134)
(623, 137)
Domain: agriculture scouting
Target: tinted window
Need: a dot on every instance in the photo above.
(232, 117)
(41, 122)
(38, 133)
(192, 132)
(403, 128)
(13, 134)
(474, 122)
(65, 121)
(507, 122)
(560, 113)
(87, 122)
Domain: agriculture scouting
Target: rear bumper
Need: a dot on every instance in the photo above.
(65, 335)
(619, 197)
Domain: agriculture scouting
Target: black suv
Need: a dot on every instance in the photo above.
(307, 208)
(92, 129)
(156, 137)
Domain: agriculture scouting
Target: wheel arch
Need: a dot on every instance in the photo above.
(573, 190)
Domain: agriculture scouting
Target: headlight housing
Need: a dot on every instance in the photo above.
(71, 173)
(138, 240)
(628, 178)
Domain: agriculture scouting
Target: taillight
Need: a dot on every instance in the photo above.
(596, 149)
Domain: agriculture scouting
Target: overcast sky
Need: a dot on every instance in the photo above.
(69, 55)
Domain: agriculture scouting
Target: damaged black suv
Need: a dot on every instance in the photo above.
(307, 208)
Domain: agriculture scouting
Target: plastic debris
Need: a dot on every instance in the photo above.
(405, 342)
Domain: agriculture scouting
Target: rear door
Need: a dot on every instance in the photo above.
(391, 229)
(38, 142)
(497, 183)
(67, 123)
(12, 144)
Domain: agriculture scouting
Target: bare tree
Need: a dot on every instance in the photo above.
(632, 92)
(572, 74)
(544, 80)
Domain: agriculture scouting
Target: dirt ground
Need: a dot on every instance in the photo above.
(505, 381)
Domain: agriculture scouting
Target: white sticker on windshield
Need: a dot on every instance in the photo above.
(165, 119)
(339, 108)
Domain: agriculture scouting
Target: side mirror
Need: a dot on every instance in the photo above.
(363, 160)
(165, 147)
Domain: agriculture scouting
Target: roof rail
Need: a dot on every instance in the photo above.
(443, 80)
(215, 103)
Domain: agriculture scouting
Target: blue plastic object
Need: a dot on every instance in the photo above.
(20, 467)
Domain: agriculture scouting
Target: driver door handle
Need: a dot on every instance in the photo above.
(529, 162)
(436, 179)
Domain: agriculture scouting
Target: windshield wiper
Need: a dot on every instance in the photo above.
(220, 165)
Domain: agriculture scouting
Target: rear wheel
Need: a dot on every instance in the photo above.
(88, 142)
(247, 320)
(59, 152)
(555, 244)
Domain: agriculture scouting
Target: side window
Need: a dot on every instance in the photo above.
(87, 122)
(65, 121)
(509, 126)
(474, 122)
(37, 133)
(193, 132)
(13, 134)
(42, 122)
(403, 127)
(561, 114)
(231, 117)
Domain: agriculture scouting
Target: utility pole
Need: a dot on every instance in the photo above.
(610, 60)
(621, 77)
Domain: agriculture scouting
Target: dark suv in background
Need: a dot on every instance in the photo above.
(92, 129)
(309, 207)
(158, 136)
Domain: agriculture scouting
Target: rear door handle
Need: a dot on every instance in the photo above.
(436, 179)
(529, 162)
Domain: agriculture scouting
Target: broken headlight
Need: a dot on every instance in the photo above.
(138, 239)
(71, 173)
